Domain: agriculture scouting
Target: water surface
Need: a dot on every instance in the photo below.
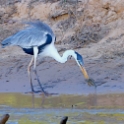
(90, 109)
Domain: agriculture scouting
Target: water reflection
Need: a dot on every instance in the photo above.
(23, 109)
(63, 101)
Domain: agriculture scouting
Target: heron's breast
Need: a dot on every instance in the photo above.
(31, 52)
(28, 50)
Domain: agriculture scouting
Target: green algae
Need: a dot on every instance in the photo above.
(74, 118)
(74, 104)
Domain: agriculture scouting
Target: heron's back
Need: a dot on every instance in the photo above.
(34, 35)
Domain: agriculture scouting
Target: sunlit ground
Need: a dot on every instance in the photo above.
(91, 109)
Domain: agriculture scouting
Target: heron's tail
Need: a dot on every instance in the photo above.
(6, 42)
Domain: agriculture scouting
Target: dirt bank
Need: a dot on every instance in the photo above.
(93, 28)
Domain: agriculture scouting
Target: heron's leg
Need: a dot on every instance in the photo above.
(30, 79)
(29, 73)
(35, 50)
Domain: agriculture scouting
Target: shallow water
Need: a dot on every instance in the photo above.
(80, 109)
(91, 101)
(53, 116)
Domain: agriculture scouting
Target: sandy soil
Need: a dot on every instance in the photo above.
(108, 72)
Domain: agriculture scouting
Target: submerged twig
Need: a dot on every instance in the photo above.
(64, 120)
(4, 119)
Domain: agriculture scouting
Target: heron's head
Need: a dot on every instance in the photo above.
(80, 62)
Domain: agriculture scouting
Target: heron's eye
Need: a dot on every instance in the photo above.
(70, 57)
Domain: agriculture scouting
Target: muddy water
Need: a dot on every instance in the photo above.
(91, 101)
(91, 109)
(53, 116)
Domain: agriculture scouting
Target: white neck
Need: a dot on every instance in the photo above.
(54, 54)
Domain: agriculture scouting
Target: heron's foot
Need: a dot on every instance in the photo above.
(91, 82)
(41, 91)
(45, 93)
(49, 94)
(38, 91)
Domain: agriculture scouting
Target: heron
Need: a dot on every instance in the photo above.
(37, 39)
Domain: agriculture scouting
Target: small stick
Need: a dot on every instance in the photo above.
(64, 120)
(4, 119)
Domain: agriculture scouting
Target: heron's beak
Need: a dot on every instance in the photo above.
(83, 70)
(88, 80)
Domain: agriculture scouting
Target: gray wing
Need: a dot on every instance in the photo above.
(35, 35)
(41, 26)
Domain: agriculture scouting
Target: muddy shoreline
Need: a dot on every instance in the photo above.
(62, 78)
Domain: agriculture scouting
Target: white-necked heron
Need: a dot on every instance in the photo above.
(38, 39)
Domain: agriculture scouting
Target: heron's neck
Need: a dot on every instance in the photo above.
(62, 59)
